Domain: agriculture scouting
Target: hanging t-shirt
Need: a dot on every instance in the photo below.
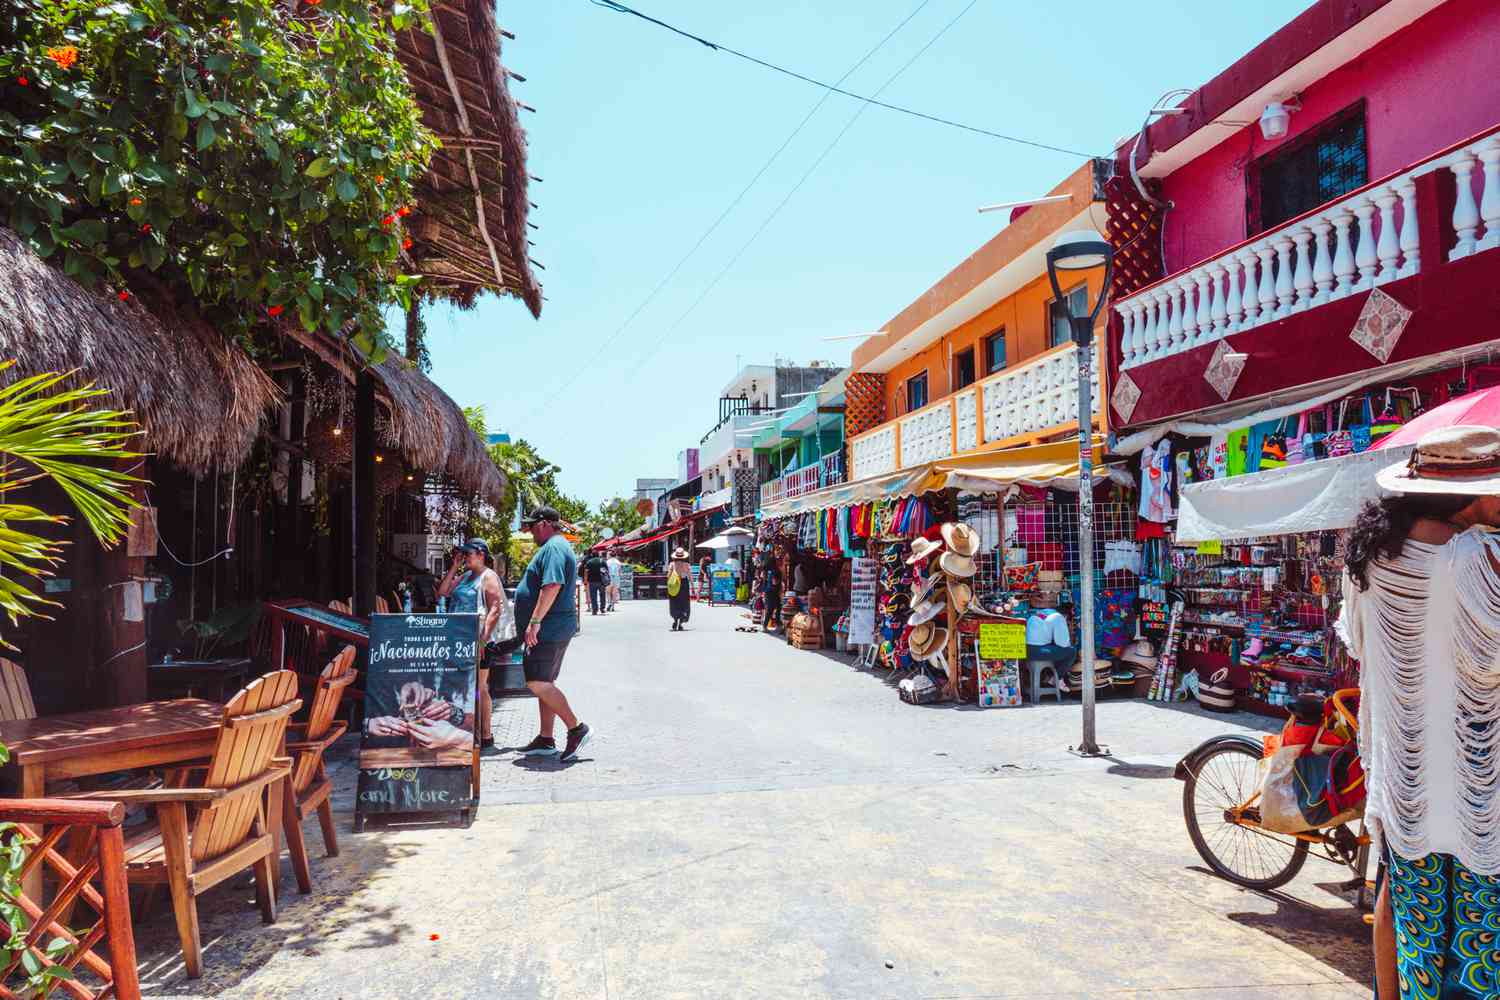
(1156, 482)
(1218, 456)
(1235, 457)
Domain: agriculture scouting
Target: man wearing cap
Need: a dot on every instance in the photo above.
(547, 610)
(596, 572)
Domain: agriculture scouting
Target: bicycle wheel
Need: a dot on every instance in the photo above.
(1222, 779)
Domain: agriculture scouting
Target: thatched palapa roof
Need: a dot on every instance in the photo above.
(470, 225)
(431, 432)
(198, 398)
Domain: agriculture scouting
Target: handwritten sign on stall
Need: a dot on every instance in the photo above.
(1002, 641)
(862, 576)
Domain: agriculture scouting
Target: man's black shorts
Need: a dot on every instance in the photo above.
(543, 661)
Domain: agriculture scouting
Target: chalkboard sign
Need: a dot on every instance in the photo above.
(862, 578)
(419, 752)
(627, 582)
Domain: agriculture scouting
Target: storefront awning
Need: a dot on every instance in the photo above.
(990, 472)
(1316, 496)
(630, 545)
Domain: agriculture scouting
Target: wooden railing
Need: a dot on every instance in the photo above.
(96, 854)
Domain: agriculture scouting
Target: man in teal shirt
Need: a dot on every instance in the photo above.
(547, 613)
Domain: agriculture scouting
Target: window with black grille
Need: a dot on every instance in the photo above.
(1318, 166)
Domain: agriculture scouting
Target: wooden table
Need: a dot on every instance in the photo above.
(218, 678)
(108, 739)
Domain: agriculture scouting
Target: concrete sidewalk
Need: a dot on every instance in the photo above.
(758, 821)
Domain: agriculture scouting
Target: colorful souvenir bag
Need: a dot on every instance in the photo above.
(1340, 440)
(1389, 421)
(1273, 451)
(1022, 579)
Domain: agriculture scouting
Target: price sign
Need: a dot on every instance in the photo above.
(862, 577)
(1002, 641)
(1214, 548)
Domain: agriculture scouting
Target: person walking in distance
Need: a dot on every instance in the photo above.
(614, 564)
(680, 603)
(472, 586)
(547, 611)
(705, 578)
(596, 574)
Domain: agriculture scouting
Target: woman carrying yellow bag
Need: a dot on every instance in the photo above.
(679, 599)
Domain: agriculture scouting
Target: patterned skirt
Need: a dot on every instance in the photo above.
(1447, 929)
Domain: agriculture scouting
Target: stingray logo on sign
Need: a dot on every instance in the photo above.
(425, 621)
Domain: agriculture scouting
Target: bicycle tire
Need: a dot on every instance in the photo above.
(1240, 844)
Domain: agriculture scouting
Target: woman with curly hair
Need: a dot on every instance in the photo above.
(1422, 615)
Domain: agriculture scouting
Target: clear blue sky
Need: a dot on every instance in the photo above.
(642, 138)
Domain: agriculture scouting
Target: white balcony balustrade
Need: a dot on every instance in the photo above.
(1349, 245)
(1031, 400)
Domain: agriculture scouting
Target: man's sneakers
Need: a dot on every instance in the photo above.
(542, 746)
(577, 737)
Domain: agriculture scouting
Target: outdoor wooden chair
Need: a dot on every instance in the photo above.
(311, 788)
(15, 693)
(382, 606)
(204, 834)
(342, 607)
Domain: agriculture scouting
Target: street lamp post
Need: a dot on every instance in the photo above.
(1078, 251)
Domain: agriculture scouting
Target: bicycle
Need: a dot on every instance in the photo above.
(1222, 781)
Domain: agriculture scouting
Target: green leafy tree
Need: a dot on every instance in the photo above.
(617, 514)
(257, 154)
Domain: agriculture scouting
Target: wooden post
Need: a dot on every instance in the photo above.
(953, 664)
(364, 494)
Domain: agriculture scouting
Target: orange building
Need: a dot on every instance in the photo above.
(981, 360)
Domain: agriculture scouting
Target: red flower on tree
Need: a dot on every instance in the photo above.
(145, 227)
(124, 295)
(403, 211)
(136, 201)
(389, 220)
(406, 243)
(66, 56)
(276, 310)
(23, 81)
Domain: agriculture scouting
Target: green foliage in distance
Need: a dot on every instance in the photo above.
(258, 154)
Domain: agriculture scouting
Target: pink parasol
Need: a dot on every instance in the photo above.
(1481, 407)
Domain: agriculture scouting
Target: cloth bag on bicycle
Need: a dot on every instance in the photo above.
(1311, 776)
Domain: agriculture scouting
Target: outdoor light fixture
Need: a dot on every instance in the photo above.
(1277, 117)
(1083, 250)
(337, 431)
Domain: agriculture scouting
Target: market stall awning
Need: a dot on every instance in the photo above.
(1039, 465)
(632, 544)
(1325, 495)
(199, 399)
(728, 538)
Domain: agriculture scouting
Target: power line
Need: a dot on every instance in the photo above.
(620, 8)
(713, 227)
(765, 224)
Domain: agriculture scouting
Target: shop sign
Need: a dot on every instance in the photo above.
(723, 583)
(421, 687)
(627, 582)
(1211, 548)
(862, 577)
(1002, 641)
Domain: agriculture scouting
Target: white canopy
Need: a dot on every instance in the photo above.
(728, 537)
(1325, 495)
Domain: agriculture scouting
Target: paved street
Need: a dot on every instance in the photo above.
(758, 821)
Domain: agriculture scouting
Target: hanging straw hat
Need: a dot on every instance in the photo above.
(926, 587)
(956, 565)
(926, 641)
(926, 611)
(923, 548)
(961, 538)
(1463, 460)
(962, 596)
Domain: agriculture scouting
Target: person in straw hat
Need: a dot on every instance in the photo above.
(1422, 615)
(680, 604)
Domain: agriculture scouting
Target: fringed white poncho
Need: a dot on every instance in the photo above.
(1427, 635)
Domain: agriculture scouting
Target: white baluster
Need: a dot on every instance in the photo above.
(1234, 309)
(1489, 202)
(1411, 240)
(1174, 318)
(1343, 252)
(1189, 314)
(1388, 246)
(1248, 260)
(1284, 288)
(1163, 322)
(1206, 281)
(1217, 314)
(1364, 254)
(1266, 294)
(1153, 326)
(1322, 271)
(1127, 334)
(1465, 211)
(1302, 279)
(1142, 344)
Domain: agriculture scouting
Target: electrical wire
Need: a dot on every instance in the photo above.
(620, 8)
(160, 540)
(733, 204)
(795, 188)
